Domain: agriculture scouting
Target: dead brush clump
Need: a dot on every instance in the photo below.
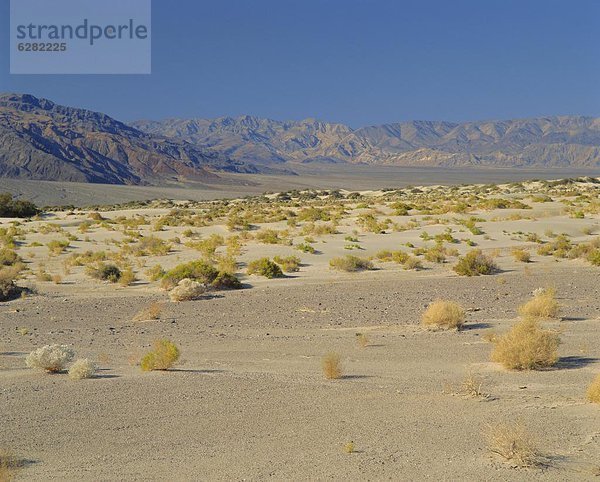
(152, 312)
(332, 366)
(187, 290)
(542, 306)
(593, 391)
(514, 444)
(443, 315)
(526, 346)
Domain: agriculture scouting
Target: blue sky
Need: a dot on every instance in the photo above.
(359, 62)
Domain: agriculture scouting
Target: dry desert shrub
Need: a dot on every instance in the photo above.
(127, 277)
(289, 264)
(521, 255)
(514, 444)
(187, 290)
(164, 355)
(52, 358)
(332, 366)
(526, 346)
(541, 307)
(351, 264)
(82, 368)
(593, 391)
(152, 312)
(104, 272)
(362, 340)
(155, 273)
(443, 315)
(8, 289)
(9, 466)
(412, 263)
(349, 447)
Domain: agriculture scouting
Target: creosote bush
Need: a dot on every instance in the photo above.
(332, 366)
(526, 346)
(350, 264)
(443, 315)
(264, 267)
(163, 356)
(104, 272)
(475, 263)
(542, 306)
(52, 358)
(202, 272)
(82, 368)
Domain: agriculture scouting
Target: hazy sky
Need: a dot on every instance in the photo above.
(360, 62)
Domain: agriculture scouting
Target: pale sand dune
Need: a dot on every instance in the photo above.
(249, 401)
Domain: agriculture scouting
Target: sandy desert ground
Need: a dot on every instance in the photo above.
(248, 399)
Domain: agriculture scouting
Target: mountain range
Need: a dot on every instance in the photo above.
(43, 140)
(564, 141)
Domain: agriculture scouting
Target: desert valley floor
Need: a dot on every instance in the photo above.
(248, 399)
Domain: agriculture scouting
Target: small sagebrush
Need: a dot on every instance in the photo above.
(187, 290)
(444, 315)
(542, 306)
(52, 358)
(526, 346)
(593, 391)
(513, 443)
(164, 355)
(332, 366)
(82, 368)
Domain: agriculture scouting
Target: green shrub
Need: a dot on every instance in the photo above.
(226, 281)
(289, 264)
(162, 357)
(8, 257)
(305, 248)
(475, 263)
(12, 208)
(265, 267)
(200, 271)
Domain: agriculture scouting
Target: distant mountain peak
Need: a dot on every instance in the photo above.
(40, 139)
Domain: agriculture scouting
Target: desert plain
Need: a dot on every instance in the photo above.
(248, 398)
